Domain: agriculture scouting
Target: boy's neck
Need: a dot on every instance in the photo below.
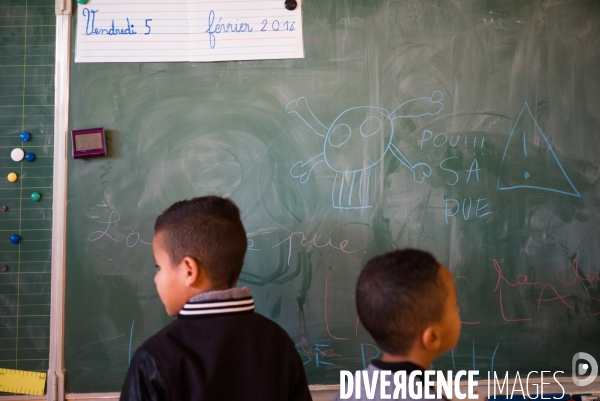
(424, 361)
(222, 294)
(205, 286)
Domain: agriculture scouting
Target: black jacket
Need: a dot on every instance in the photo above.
(217, 350)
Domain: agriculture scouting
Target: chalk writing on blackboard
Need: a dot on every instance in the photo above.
(342, 246)
(132, 239)
(474, 358)
(292, 243)
(549, 292)
(352, 146)
(130, 342)
(326, 314)
(533, 170)
(319, 353)
(96, 235)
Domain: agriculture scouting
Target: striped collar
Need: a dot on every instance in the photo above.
(217, 307)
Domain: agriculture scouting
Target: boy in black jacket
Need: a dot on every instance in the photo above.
(217, 348)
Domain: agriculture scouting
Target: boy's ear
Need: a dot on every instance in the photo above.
(431, 338)
(191, 271)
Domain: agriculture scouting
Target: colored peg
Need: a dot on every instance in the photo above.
(17, 154)
(25, 136)
(36, 196)
(12, 177)
(15, 238)
(30, 157)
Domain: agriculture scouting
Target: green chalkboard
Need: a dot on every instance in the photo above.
(27, 37)
(479, 143)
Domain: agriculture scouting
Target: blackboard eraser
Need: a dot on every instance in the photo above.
(88, 142)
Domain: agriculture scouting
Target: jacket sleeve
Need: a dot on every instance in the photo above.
(143, 381)
(298, 384)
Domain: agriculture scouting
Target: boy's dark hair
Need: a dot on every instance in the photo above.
(397, 295)
(209, 230)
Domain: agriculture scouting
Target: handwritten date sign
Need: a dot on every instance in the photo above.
(187, 30)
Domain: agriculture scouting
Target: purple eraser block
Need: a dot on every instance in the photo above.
(88, 143)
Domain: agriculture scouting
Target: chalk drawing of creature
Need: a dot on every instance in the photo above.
(358, 140)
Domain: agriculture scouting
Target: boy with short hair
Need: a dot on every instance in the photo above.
(407, 301)
(217, 348)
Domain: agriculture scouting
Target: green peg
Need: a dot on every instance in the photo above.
(36, 196)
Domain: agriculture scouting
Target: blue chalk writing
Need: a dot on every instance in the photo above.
(450, 170)
(318, 353)
(303, 353)
(466, 207)
(446, 200)
(466, 216)
(479, 209)
(352, 146)
(512, 178)
(493, 357)
(444, 139)
(323, 353)
(474, 169)
(425, 139)
(453, 364)
(474, 357)
(91, 29)
(303, 173)
(455, 142)
(362, 353)
(130, 341)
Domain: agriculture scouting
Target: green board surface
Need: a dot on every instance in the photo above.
(27, 41)
(480, 122)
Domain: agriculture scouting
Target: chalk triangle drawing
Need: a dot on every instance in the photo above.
(525, 165)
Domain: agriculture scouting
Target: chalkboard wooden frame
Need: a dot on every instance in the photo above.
(56, 369)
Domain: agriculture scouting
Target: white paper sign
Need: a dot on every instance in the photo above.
(187, 30)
